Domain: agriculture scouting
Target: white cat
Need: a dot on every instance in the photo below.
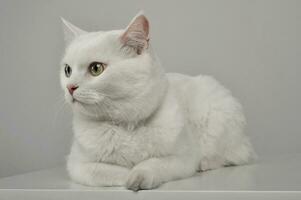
(136, 126)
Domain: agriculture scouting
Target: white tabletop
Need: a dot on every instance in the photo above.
(277, 178)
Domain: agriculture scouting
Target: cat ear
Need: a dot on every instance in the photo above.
(136, 35)
(70, 31)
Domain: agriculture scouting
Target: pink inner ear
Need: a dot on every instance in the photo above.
(143, 22)
(140, 24)
(137, 30)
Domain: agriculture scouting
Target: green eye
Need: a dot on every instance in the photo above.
(68, 70)
(96, 68)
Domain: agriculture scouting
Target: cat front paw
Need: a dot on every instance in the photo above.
(142, 179)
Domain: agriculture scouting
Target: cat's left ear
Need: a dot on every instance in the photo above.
(136, 35)
(71, 31)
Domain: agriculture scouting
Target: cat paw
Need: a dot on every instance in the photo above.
(141, 179)
(207, 164)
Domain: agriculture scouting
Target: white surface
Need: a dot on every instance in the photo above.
(278, 178)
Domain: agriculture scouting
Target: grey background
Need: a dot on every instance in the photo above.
(252, 47)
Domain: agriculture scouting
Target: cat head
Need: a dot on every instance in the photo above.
(112, 75)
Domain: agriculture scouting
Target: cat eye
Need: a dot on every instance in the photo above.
(96, 68)
(68, 70)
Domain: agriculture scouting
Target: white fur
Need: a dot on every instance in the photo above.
(138, 127)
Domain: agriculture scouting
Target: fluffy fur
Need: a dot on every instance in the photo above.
(137, 126)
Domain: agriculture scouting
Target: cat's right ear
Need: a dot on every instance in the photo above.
(70, 31)
(136, 35)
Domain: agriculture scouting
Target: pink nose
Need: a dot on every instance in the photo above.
(71, 88)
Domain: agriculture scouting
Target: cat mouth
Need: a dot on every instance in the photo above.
(76, 101)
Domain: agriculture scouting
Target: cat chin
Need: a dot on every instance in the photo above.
(79, 108)
(84, 109)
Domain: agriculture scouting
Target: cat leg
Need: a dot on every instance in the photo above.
(239, 153)
(97, 174)
(155, 171)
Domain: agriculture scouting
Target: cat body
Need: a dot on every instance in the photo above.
(137, 126)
